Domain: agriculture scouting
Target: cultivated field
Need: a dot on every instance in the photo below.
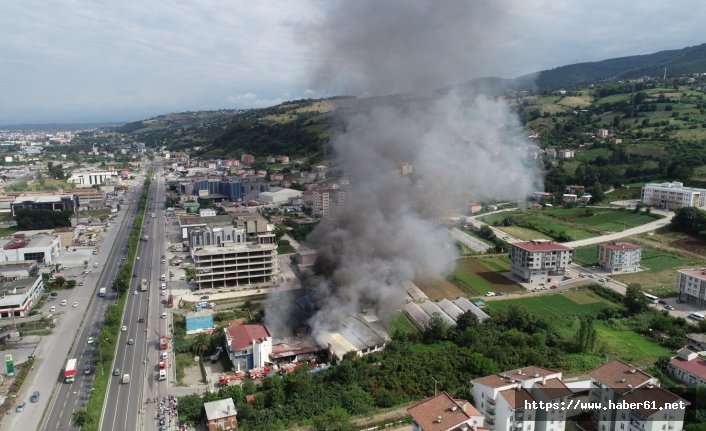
(439, 289)
(476, 276)
(400, 324)
(628, 346)
(576, 303)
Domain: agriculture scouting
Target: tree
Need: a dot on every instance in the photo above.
(635, 300)
(201, 344)
(597, 193)
(190, 408)
(81, 418)
(335, 419)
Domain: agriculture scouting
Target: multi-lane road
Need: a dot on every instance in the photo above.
(124, 407)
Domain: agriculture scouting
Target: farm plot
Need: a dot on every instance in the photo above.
(628, 346)
(579, 303)
(475, 278)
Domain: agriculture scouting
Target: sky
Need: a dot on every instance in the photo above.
(85, 61)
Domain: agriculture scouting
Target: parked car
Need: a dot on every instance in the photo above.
(80, 283)
(54, 294)
(668, 307)
(554, 286)
(35, 397)
(90, 340)
(20, 407)
(204, 297)
(75, 304)
(141, 320)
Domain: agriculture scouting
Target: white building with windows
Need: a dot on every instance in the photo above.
(506, 399)
(672, 196)
(691, 285)
(39, 248)
(91, 178)
(19, 295)
(539, 260)
(619, 257)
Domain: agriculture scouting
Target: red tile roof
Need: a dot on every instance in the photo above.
(553, 388)
(655, 394)
(242, 336)
(517, 398)
(696, 273)
(519, 375)
(441, 413)
(619, 376)
(695, 367)
(620, 246)
(536, 246)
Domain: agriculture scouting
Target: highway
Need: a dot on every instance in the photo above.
(124, 403)
(58, 400)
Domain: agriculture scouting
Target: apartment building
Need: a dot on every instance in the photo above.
(324, 200)
(688, 367)
(511, 399)
(441, 412)
(539, 261)
(237, 266)
(619, 257)
(691, 285)
(672, 196)
(618, 381)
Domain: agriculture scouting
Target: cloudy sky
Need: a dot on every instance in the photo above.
(89, 61)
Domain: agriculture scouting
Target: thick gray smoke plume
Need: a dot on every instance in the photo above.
(461, 148)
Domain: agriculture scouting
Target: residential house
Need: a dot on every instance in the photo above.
(602, 133)
(672, 196)
(474, 207)
(696, 341)
(691, 285)
(443, 413)
(248, 346)
(688, 367)
(565, 154)
(619, 257)
(511, 399)
(618, 381)
(221, 415)
(569, 197)
(539, 261)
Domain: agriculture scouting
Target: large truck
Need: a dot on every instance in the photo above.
(163, 343)
(102, 291)
(144, 285)
(70, 371)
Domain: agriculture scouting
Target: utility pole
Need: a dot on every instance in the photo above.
(436, 382)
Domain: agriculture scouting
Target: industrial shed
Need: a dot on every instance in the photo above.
(466, 305)
(431, 308)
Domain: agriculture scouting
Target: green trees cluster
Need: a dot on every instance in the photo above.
(690, 220)
(635, 301)
(56, 171)
(487, 233)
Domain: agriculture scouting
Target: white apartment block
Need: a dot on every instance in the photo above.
(237, 266)
(619, 257)
(325, 199)
(88, 179)
(511, 400)
(617, 381)
(672, 196)
(691, 284)
(539, 261)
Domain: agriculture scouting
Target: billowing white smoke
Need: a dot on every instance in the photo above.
(461, 149)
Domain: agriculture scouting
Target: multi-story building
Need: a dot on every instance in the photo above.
(248, 346)
(565, 154)
(89, 179)
(441, 412)
(672, 196)
(616, 381)
(619, 257)
(691, 285)
(221, 415)
(39, 248)
(324, 200)
(539, 261)
(239, 266)
(19, 295)
(511, 400)
(44, 202)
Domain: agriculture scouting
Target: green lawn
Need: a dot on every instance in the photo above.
(658, 260)
(577, 303)
(496, 263)
(587, 256)
(523, 233)
(628, 346)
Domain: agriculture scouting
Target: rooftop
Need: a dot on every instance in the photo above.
(695, 367)
(442, 413)
(220, 409)
(516, 398)
(619, 376)
(509, 377)
(657, 397)
(539, 245)
(242, 336)
(696, 273)
(553, 388)
(620, 246)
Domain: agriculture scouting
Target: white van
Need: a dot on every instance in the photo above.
(696, 316)
(162, 374)
(126, 378)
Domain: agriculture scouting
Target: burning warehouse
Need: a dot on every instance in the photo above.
(359, 333)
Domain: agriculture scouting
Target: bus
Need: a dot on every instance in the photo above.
(143, 285)
(651, 298)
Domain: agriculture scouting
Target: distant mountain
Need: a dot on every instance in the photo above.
(677, 62)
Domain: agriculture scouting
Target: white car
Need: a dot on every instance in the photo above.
(124, 328)
(134, 293)
(95, 264)
(90, 340)
(163, 293)
(75, 304)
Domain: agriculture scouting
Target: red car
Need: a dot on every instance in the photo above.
(554, 286)
(162, 365)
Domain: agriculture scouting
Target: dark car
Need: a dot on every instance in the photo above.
(35, 397)
(204, 297)
(54, 294)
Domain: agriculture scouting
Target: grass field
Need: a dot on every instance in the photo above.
(587, 256)
(578, 303)
(657, 260)
(628, 346)
(400, 324)
(478, 276)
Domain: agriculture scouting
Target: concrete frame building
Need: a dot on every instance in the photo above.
(538, 261)
(44, 202)
(39, 248)
(672, 196)
(503, 399)
(691, 284)
(237, 266)
(19, 295)
(617, 381)
(619, 257)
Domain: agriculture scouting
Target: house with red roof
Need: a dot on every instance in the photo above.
(444, 413)
(687, 366)
(248, 346)
(539, 260)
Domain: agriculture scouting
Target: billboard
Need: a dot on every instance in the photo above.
(10, 364)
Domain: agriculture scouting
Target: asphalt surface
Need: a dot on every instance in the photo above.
(125, 404)
(59, 400)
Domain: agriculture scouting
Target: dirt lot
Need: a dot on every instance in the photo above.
(439, 289)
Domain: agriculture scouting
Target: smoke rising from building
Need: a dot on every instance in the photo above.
(461, 148)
